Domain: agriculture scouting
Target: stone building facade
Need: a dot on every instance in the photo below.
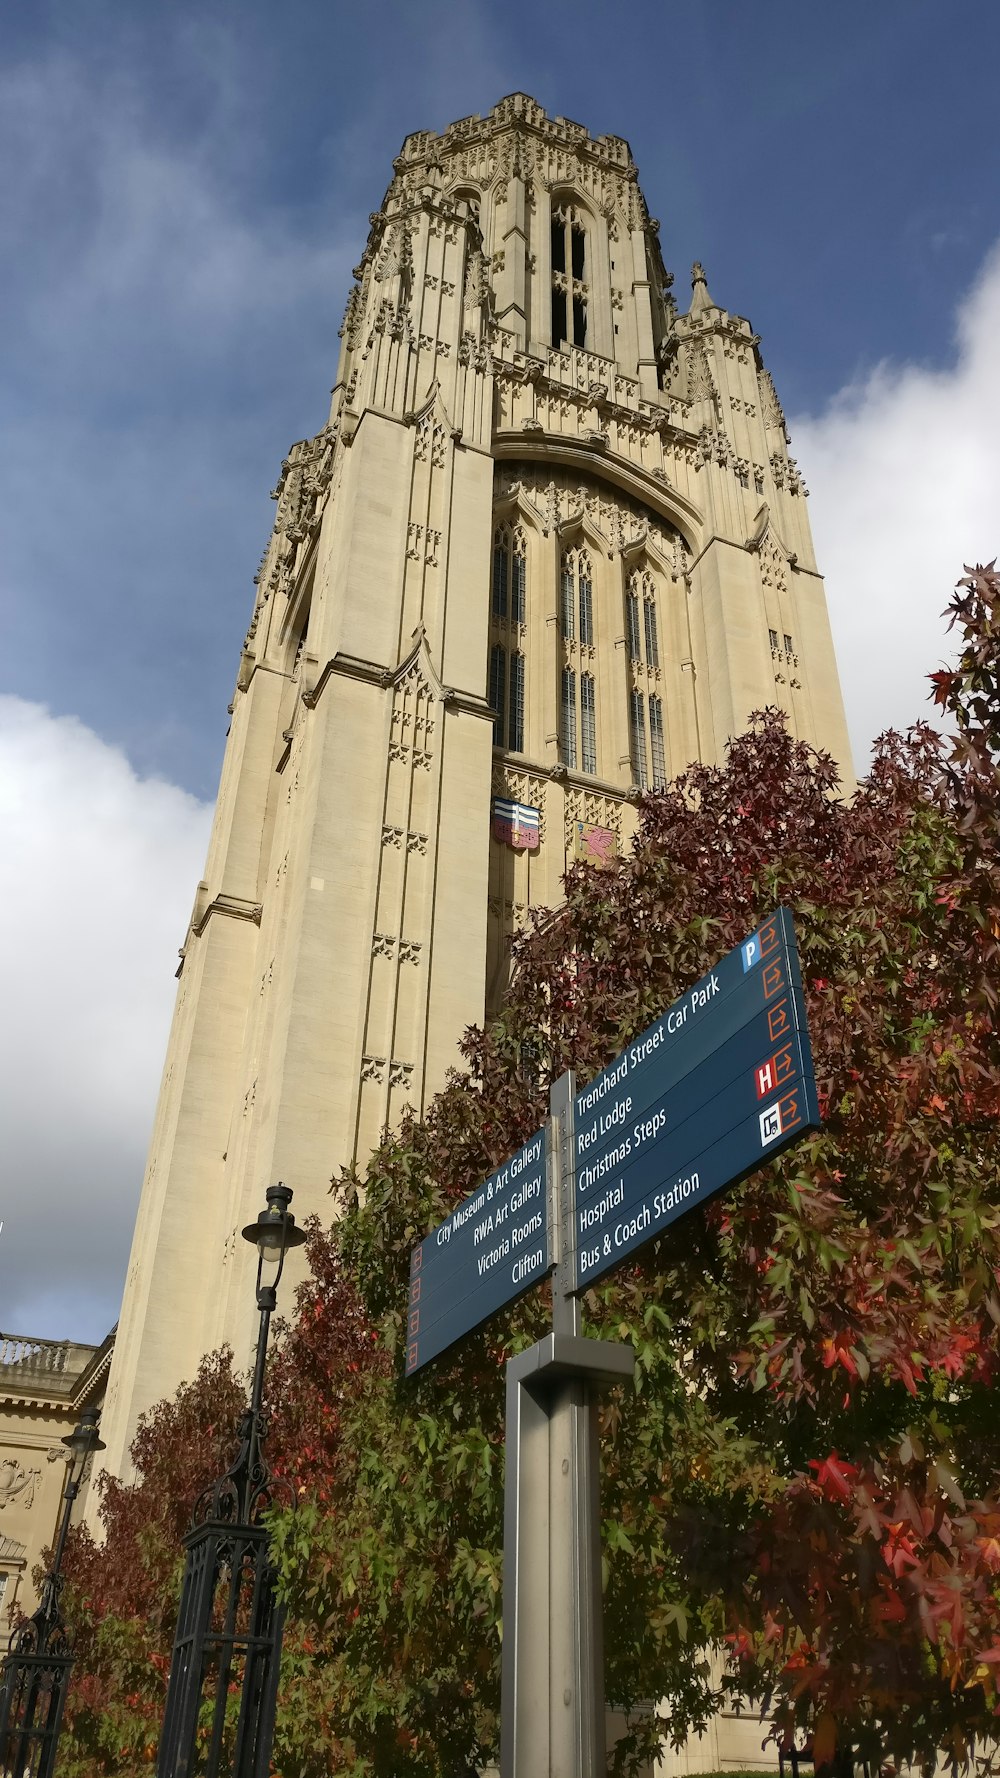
(549, 547)
(45, 1385)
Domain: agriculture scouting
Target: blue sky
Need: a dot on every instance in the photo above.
(187, 188)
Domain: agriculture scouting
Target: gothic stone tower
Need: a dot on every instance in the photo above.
(549, 547)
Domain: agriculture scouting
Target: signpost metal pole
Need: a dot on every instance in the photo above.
(553, 1711)
(717, 1085)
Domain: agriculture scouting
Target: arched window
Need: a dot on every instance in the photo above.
(295, 629)
(640, 592)
(498, 690)
(509, 574)
(569, 273)
(515, 706)
(578, 709)
(657, 751)
(567, 718)
(647, 738)
(301, 642)
(508, 606)
(567, 602)
(632, 635)
(652, 645)
(466, 200)
(507, 697)
(588, 724)
(637, 738)
(586, 602)
(501, 573)
(576, 597)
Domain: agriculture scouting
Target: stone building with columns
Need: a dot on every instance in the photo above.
(45, 1385)
(549, 546)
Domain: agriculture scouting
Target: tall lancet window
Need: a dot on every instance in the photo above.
(578, 708)
(515, 704)
(567, 601)
(588, 724)
(641, 620)
(567, 718)
(632, 632)
(576, 597)
(569, 275)
(637, 737)
(652, 644)
(498, 691)
(647, 737)
(509, 575)
(508, 615)
(657, 750)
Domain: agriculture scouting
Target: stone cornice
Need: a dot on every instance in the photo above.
(234, 907)
(751, 545)
(559, 774)
(93, 1380)
(646, 418)
(349, 666)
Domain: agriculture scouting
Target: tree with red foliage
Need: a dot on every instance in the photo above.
(808, 1464)
(122, 1593)
(806, 1468)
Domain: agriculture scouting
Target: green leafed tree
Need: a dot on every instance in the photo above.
(805, 1472)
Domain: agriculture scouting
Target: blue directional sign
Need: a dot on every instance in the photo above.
(493, 1245)
(719, 1084)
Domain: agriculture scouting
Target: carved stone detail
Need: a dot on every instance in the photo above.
(509, 913)
(561, 500)
(770, 406)
(431, 440)
(591, 806)
(714, 447)
(522, 787)
(786, 474)
(18, 1483)
(701, 383)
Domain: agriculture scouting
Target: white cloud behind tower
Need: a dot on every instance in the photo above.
(97, 872)
(904, 469)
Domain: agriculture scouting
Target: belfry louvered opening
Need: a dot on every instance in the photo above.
(569, 276)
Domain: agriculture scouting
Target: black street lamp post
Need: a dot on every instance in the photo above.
(222, 1693)
(35, 1672)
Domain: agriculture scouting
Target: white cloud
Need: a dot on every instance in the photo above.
(904, 467)
(153, 240)
(97, 873)
(169, 327)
